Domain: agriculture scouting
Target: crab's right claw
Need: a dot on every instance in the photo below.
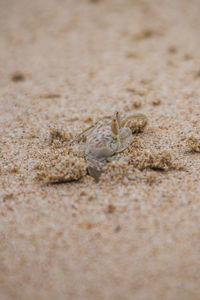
(94, 172)
(95, 167)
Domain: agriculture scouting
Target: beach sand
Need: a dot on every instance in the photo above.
(135, 234)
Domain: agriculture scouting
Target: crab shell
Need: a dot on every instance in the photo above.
(108, 138)
(102, 144)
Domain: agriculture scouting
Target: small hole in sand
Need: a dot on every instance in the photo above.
(172, 50)
(17, 77)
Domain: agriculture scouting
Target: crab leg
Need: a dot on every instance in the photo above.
(80, 134)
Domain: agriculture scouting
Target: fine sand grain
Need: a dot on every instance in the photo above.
(64, 65)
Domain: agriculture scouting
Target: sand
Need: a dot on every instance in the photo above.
(134, 234)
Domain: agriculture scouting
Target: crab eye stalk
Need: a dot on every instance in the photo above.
(115, 127)
(117, 117)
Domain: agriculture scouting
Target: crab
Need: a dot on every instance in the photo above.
(109, 137)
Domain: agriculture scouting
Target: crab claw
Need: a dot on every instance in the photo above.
(94, 172)
(95, 167)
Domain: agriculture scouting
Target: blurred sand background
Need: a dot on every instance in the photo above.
(66, 64)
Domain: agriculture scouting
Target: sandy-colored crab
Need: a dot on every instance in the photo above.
(109, 137)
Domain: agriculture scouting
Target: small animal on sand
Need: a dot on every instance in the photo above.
(108, 137)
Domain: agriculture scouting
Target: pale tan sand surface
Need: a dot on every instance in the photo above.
(136, 233)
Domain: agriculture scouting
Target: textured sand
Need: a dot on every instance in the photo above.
(136, 233)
